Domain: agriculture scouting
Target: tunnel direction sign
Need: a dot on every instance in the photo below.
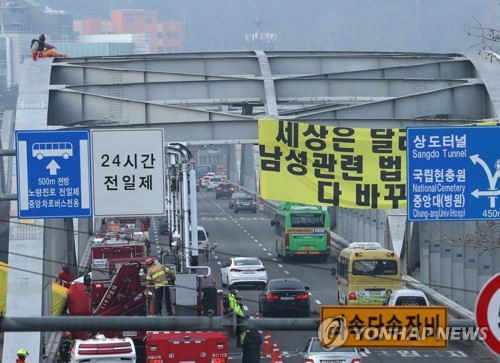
(453, 173)
(53, 174)
(488, 312)
(128, 171)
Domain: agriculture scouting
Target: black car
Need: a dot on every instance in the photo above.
(224, 190)
(233, 198)
(246, 203)
(284, 295)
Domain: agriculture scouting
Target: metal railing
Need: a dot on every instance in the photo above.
(231, 323)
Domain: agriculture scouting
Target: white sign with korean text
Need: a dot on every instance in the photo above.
(128, 172)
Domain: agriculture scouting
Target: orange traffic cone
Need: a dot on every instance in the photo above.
(266, 349)
(276, 358)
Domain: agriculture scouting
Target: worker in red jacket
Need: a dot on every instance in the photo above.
(65, 277)
(21, 356)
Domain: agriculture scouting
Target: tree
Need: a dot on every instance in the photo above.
(488, 36)
(486, 237)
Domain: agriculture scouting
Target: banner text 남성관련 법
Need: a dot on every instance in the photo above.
(332, 166)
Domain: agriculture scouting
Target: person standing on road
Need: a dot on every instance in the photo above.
(236, 306)
(160, 277)
(232, 297)
(21, 355)
(251, 346)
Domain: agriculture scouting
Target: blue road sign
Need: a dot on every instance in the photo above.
(453, 173)
(53, 174)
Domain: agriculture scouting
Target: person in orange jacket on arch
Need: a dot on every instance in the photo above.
(42, 49)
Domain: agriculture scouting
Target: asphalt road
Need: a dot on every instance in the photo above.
(247, 234)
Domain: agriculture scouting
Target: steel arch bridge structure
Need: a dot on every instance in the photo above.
(217, 98)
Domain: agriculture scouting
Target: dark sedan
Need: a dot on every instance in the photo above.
(224, 190)
(284, 295)
(246, 203)
(233, 198)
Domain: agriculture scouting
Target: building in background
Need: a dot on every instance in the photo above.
(106, 44)
(163, 36)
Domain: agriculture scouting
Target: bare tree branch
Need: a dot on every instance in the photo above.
(489, 36)
(485, 238)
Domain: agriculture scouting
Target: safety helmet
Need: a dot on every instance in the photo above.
(42, 37)
(66, 334)
(149, 261)
(22, 352)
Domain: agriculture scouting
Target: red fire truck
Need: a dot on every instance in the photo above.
(113, 248)
(186, 346)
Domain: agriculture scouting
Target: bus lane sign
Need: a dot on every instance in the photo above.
(53, 174)
(384, 326)
(453, 173)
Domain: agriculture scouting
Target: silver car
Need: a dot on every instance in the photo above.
(213, 182)
(315, 353)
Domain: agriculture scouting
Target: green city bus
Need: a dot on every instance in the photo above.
(302, 230)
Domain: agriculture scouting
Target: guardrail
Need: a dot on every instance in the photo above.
(338, 243)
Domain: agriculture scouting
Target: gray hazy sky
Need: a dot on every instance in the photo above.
(314, 25)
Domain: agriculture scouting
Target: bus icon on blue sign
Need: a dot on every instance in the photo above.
(53, 149)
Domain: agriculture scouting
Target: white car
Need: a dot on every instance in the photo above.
(244, 271)
(407, 297)
(213, 182)
(204, 181)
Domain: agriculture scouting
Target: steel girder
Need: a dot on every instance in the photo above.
(212, 97)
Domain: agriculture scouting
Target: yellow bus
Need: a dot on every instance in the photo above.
(367, 274)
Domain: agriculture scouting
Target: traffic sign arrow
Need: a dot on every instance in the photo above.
(53, 167)
(489, 193)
